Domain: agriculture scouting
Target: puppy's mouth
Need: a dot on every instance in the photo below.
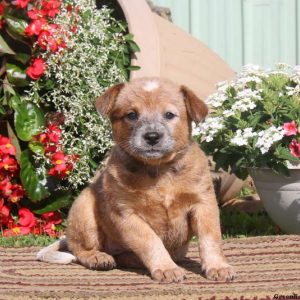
(153, 153)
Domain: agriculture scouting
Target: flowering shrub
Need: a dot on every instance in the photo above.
(58, 56)
(255, 121)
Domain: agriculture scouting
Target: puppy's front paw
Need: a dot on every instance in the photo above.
(169, 275)
(221, 271)
(97, 260)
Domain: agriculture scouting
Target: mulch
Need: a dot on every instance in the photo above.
(267, 268)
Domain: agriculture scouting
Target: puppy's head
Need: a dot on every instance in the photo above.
(151, 117)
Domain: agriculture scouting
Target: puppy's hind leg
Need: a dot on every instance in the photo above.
(84, 234)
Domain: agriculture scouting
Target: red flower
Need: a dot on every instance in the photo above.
(42, 138)
(51, 7)
(5, 217)
(36, 14)
(6, 187)
(52, 217)
(36, 69)
(35, 27)
(21, 3)
(62, 165)
(59, 161)
(295, 148)
(6, 146)
(17, 230)
(17, 194)
(54, 133)
(2, 8)
(47, 39)
(26, 218)
(290, 128)
(8, 163)
(50, 229)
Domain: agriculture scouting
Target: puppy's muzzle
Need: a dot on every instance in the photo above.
(152, 138)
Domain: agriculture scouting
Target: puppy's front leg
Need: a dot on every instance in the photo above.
(206, 225)
(139, 237)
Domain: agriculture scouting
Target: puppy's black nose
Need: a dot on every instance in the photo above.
(152, 138)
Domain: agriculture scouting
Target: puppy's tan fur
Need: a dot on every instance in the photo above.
(142, 211)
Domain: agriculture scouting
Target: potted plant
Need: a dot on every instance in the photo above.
(254, 127)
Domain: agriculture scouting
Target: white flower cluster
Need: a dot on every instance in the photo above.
(266, 138)
(210, 127)
(80, 74)
(242, 137)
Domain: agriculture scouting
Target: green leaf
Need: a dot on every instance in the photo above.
(29, 120)
(4, 48)
(36, 147)
(16, 75)
(56, 201)
(14, 141)
(133, 46)
(22, 57)
(17, 25)
(133, 68)
(129, 37)
(284, 153)
(34, 184)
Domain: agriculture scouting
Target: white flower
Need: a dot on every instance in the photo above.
(239, 139)
(210, 127)
(242, 137)
(252, 69)
(216, 99)
(266, 138)
(228, 112)
(245, 80)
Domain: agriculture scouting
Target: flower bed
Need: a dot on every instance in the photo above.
(255, 121)
(58, 56)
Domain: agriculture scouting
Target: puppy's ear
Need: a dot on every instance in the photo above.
(196, 108)
(106, 102)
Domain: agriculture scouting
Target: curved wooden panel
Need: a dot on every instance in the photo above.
(168, 51)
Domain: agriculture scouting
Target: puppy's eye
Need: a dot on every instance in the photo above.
(169, 115)
(132, 116)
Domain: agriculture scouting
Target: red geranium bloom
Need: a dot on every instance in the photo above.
(8, 163)
(42, 138)
(26, 218)
(2, 7)
(6, 147)
(290, 128)
(59, 161)
(52, 217)
(17, 230)
(50, 229)
(35, 27)
(21, 3)
(36, 69)
(54, 133)
(17, 194)
(61, 165)
(46, 39)
(6, 187)
(51, 7)
(295, 148)
(35, 13)
(5, 217)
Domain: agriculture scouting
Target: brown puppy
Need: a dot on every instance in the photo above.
(154, 194)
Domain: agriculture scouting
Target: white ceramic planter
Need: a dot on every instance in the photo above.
(280, 196)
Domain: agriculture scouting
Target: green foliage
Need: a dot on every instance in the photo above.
(34, 182)
(26, 241)
(241, 224)
(29, 120)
